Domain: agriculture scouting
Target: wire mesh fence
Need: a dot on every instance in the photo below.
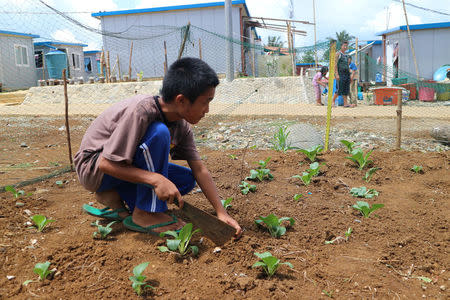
(246, 112)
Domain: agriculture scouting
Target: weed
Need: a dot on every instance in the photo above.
(274, 224)
(227, 202)
(102, 231)
(59, 183)
(358, 157)
(138, 280)
(328, 294)
(369, 174)
(362, 192)
(269, 263)
(365, 209)
(350, 145)
(42, 270)
(246, 187)
(41, 221)
(340, 238)
(417, 169)
(280, 140)
(181, 240)
(233, 157)
(312, 152)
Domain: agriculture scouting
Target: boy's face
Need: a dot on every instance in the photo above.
(194, 112)
(344, 47)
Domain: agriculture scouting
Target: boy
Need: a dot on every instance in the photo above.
(342, 74)
(123, 156)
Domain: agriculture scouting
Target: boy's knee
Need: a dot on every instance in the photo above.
(160, 129)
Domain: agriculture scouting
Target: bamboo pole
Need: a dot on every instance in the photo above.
(200, 48)
(399, 120)
(102, 61)
(315, 39)
(410, 41)
(66, 104)
(118, 69)
(107, 67)
(129, 63)
(165, 58)
(180, 53)
(330, 91)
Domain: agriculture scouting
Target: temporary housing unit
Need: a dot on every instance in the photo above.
(431, 45)
(370, 60)
(142, 34)
(17, 69)
(50, 60)
(92, 63)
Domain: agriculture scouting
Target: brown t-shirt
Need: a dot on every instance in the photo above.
(116, 133)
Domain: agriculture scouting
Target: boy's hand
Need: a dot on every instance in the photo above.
(224, 217)
(167, 191)
(337, 76)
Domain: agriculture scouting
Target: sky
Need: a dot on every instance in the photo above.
(361, 18)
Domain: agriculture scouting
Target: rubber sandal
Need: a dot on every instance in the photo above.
(105, 213)
(129, 224)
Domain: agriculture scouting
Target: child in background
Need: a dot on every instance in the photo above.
(320, 79)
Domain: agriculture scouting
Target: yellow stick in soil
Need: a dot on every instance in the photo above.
(330, 90)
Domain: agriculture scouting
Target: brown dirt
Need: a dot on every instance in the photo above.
(383, 256)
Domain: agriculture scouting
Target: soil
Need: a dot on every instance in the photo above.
(383, 259)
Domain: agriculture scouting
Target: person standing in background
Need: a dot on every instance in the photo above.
(353, 99)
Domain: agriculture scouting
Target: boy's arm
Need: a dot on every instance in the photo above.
(206, 183)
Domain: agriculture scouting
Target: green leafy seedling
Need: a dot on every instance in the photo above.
(41, 221)
(42, 270)
(340, 238)
(269, 263)
(16, 193)
(306, 177)
(369, 174)
(181, 241)
(261, 173)
(280, 140)
(59, 183)
(358, 157)
(362, 192)
(348, 233)
(417, 169)
(297, 197)
(350, 145)
(312, 152)
(102, 231)
(138, 280)
(365, 209)
(246, 188)
(233, 157)
(227, 202)
(274, 224)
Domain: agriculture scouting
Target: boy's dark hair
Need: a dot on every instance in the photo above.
(188, 76)
(324, 70)
(344, 42)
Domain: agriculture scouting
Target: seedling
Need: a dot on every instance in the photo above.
(269, 263)
(340, 238)
(365, 209)
(41, 221)
(297, 197)
(369, 174)
(42, 270)
(16, 193)
(312, 152)
(233, 157)
(246, 187)
(138, 280)
(348, 233)
(274, 224)
(350, 145)
(181, 241)
(358, 157)
(227, 202)
(362, 192)
(102, 231)
(306, 177)
(280, 140)
(417, 169)
(262, 173)
(328, 294)
(59, 183)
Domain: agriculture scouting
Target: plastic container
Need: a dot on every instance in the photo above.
(339, 101)
(412, 88)
(426, 94)
(399, 81)
(56, 61)
(386, 95)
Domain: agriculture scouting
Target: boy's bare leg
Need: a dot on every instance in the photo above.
(333, 103)
(345, 100)
(145, 219)
(111, 199)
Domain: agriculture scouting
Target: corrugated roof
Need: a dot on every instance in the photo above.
(166, 8)
(91, 51)
(416, 27)
(19, 34)
(53, 43)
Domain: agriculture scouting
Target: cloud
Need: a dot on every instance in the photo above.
(65, 35)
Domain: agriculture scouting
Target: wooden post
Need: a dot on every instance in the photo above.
(200, 48)
(107, 67)
(129, 63)
(165, 58)
(66, 104)
(183, 43)
(410, 41)
(118, 69)
(399, 120)
(291, 46)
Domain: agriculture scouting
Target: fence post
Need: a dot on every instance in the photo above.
(330, 91)
(66, 104)
(399, 120)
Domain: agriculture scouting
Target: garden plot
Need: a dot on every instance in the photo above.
(317, 225)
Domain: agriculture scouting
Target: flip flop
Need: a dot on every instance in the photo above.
(129, 224)
(105, 213)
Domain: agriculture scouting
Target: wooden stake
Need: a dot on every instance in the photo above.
(118, 69)
(183, 43)
(107, 67)
(399, 120)
(165, 58)
(200, 48)
(410, 40)
(102, 61)
(66, 104)
(129, 63)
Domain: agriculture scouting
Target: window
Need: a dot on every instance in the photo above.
(76, 61)
(88, 64)
(21, 53)
(38, 58)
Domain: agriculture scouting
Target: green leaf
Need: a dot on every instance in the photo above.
(173, 244)
(426, 279)
(194, 250)
(163, 249)
(287, 264)
(137, 271)
(297, 196)
(263, 255)
(169, 232)
(10, 188)
(42, 270)
(258, 264)
(291, 220)
(26, 282)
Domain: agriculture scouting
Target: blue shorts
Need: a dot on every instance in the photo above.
(152, 154)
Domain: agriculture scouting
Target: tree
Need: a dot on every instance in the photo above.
(274, 41)
(308, 57)
(340, 37)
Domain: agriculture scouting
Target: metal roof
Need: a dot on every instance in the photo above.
(415, 27)
(167, 8)
(91, 51)
(19, 34)
(53, 43)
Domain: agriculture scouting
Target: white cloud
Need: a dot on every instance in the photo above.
(65, 35)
